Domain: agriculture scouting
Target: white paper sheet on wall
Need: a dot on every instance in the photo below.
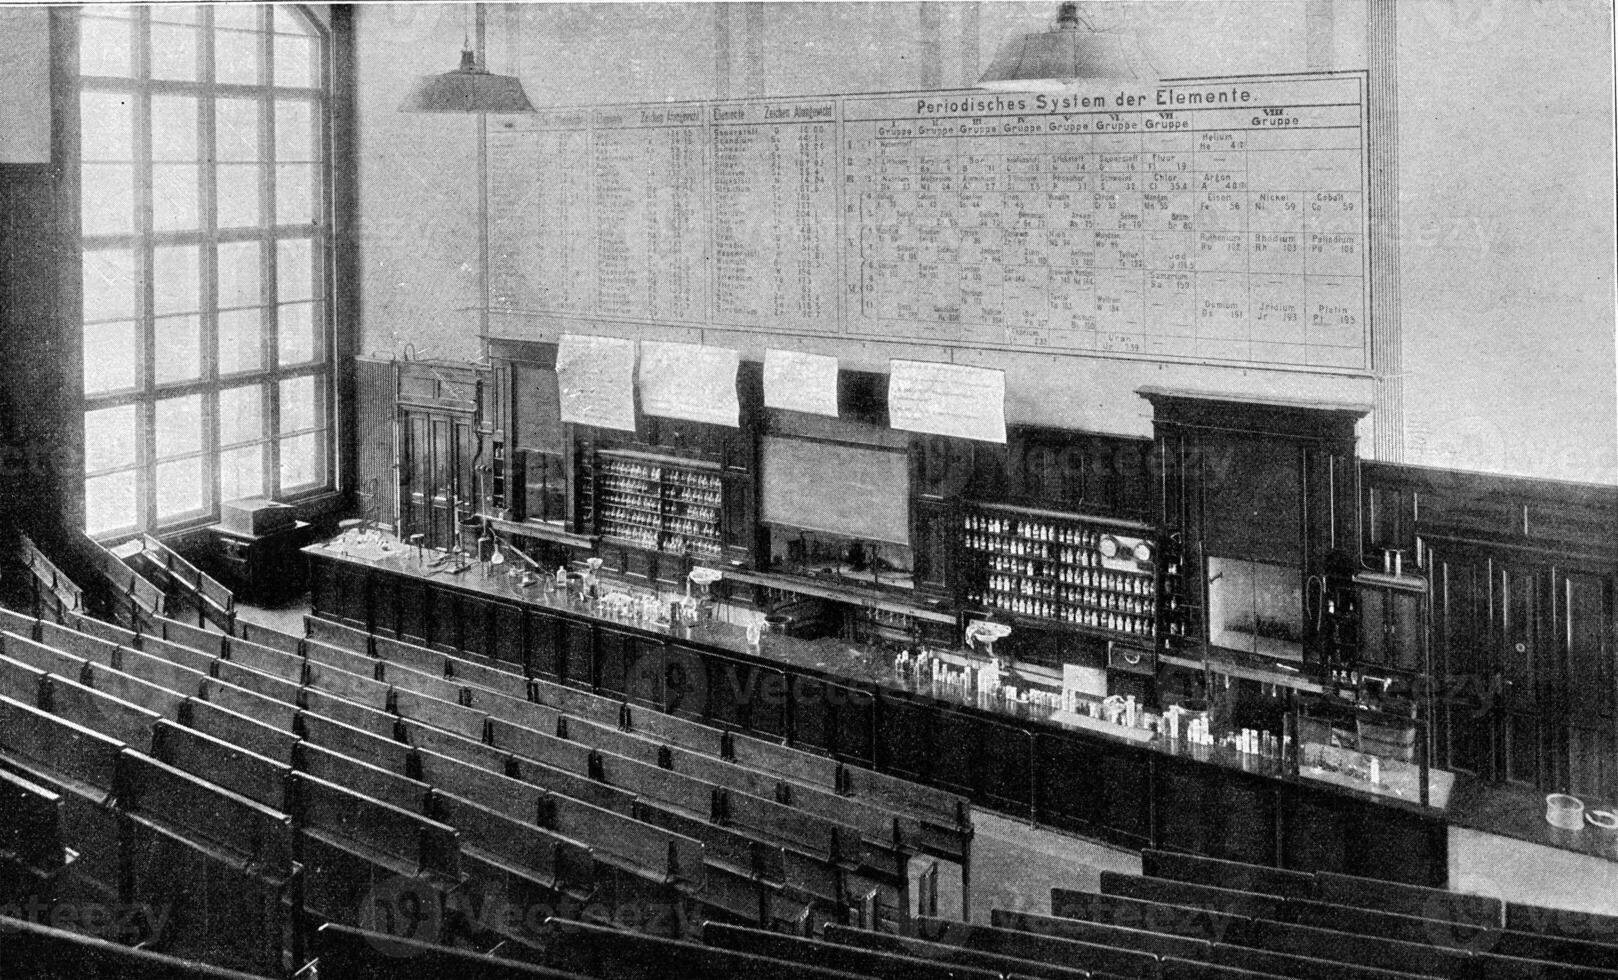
(800, 382)
(947, 399)
(595, 377)
(689, 381)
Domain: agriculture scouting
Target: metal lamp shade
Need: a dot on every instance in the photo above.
(1053, 60)
(468, 88)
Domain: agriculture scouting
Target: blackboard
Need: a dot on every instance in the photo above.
(836, 488)
(537, 408)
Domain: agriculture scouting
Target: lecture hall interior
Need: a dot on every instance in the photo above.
(920, 489)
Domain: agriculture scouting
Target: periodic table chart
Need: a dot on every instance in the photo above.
(1218, 221)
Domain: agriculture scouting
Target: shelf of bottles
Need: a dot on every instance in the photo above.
(1062, 569)
(659, 506)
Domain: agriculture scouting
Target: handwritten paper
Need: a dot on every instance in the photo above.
(800, 382)
(689, 381)
(947, 399)
(595, 377)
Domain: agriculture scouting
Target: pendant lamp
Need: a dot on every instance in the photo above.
(1070, 50)
(469, 88)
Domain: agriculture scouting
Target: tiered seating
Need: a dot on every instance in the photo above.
(55, 595)
(1198, 917)
(43, 953)
(864, 823)
(393, 786)
(130, 600)
(185, 587)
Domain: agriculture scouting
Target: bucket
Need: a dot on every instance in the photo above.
(1564, 811)
(776, 623)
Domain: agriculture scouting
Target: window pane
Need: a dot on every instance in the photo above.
(236, 129)
(109, 357)
(295, 193)
(109, 285)
(179, 426)
(175, 279)
(180, 487)
(109, 438)
(174, 128)
(235, 55)
(294, 131)
(300, 405)
(179, 348)
(174, 197)
(241, 473)
(296, 338)
(108, 125)
(241, 415)
(240, 15)
(109, 502)
(104, 47)
(107, 198)
(175, 13)
(294, 277)
(302, 461)
(294, 61)
(238, 274)
(241, 340)
(174, 52)
(238, 194)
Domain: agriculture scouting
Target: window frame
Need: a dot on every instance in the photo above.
(205, 236)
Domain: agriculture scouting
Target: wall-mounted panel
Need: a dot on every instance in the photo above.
(1215, 222)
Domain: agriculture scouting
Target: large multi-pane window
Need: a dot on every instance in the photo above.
(207, 355)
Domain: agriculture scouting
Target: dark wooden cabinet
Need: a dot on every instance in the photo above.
(1392, 623)
(1524, 647)
(439, 450)
(1271, 491)
(1079, 472)
(259, 567)
(1586, 761)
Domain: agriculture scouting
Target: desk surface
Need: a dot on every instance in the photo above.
(229, 532)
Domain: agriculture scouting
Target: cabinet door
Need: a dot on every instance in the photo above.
(575, 644)
(644, 668)
(1374, 627)
(685, 682)
(1525, 684)
(544, 652)
(507, 638)
(443, 623)
(1407, 631)
(853, 711)
(1463, 657)
(1392, 629)
(814, 725)
(1588, 739)
(932, 535)
(614, 651)
(737, 521)
(904, 736)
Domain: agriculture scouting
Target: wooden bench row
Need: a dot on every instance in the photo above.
(941, 821)
(374, 736)
(185, 587)
(1375, 907)
(1290, 937)
(54, 593)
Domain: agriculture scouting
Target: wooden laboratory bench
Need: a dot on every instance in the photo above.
(845, 701)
